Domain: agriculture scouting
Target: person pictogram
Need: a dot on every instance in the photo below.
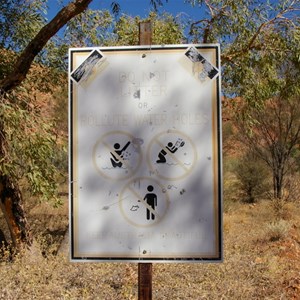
(151, 200)
(172, 148)
(115, 160)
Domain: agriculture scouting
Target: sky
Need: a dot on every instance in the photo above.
(136, 7)
(143, 7)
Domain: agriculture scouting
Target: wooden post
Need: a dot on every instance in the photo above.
(145, 33)
(145, 269)
(145, 281)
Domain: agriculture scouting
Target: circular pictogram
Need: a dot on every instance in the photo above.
(171, 155)
(144, 202)
(117, 155)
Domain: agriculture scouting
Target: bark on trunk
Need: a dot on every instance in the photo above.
(3, 241)
(11, 204)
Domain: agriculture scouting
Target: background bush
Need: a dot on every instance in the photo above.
(252, 176)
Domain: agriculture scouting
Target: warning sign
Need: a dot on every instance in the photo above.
(145, 153)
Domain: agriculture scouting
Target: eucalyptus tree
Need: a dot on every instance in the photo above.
(25, 143)
(272, 134)
(19, 22)
(261, 64)
(256, 37)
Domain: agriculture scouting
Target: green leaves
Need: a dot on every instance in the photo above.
(165, 30)
(257, 40)
(91, 28)
(30, 147)
(20, 21)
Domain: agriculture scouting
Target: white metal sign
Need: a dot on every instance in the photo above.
(145, 153)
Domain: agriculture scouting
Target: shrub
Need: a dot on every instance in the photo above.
(279, 207)
(252, 175)
(277, 230)
(291, 191)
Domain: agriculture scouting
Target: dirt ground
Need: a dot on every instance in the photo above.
(261, 261)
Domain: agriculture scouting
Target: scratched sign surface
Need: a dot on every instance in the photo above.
(145, 161)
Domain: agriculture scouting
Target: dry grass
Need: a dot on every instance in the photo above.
(254, 267)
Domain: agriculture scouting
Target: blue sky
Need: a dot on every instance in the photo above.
(143, 7)
(136, 7)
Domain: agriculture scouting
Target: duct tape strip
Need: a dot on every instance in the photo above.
(92, 65)
(208, 69)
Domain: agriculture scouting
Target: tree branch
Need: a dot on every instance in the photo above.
(251, 45)
(26, 58)
(209, 23)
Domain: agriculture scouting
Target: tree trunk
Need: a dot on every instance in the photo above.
(11, 204)
(11, 201)
(279, 187)
(278, 180)
(3, 241)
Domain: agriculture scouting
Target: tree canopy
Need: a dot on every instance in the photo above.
(257, 39)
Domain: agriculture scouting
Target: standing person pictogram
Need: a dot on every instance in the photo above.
(117, 154)
(150, 199)
(144, 202)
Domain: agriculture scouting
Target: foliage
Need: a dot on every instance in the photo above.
(292, 187)
(252, 175)
(29, 158)
(116, 7)
(280, 208)
(31, 134)
(91, 28)
(20, 21)
(88, 29)
(256, 39)
(261, 66)
(6, 62)
(277, 230)
(165, 30)
(272, 133)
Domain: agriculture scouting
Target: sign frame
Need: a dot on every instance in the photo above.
(81, 75)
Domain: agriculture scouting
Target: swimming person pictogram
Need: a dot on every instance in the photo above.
(151, 200)
(115, 160)
(117, 155)
(120, 154)
(172, 148)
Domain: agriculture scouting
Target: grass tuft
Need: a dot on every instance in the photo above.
(277, 230)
